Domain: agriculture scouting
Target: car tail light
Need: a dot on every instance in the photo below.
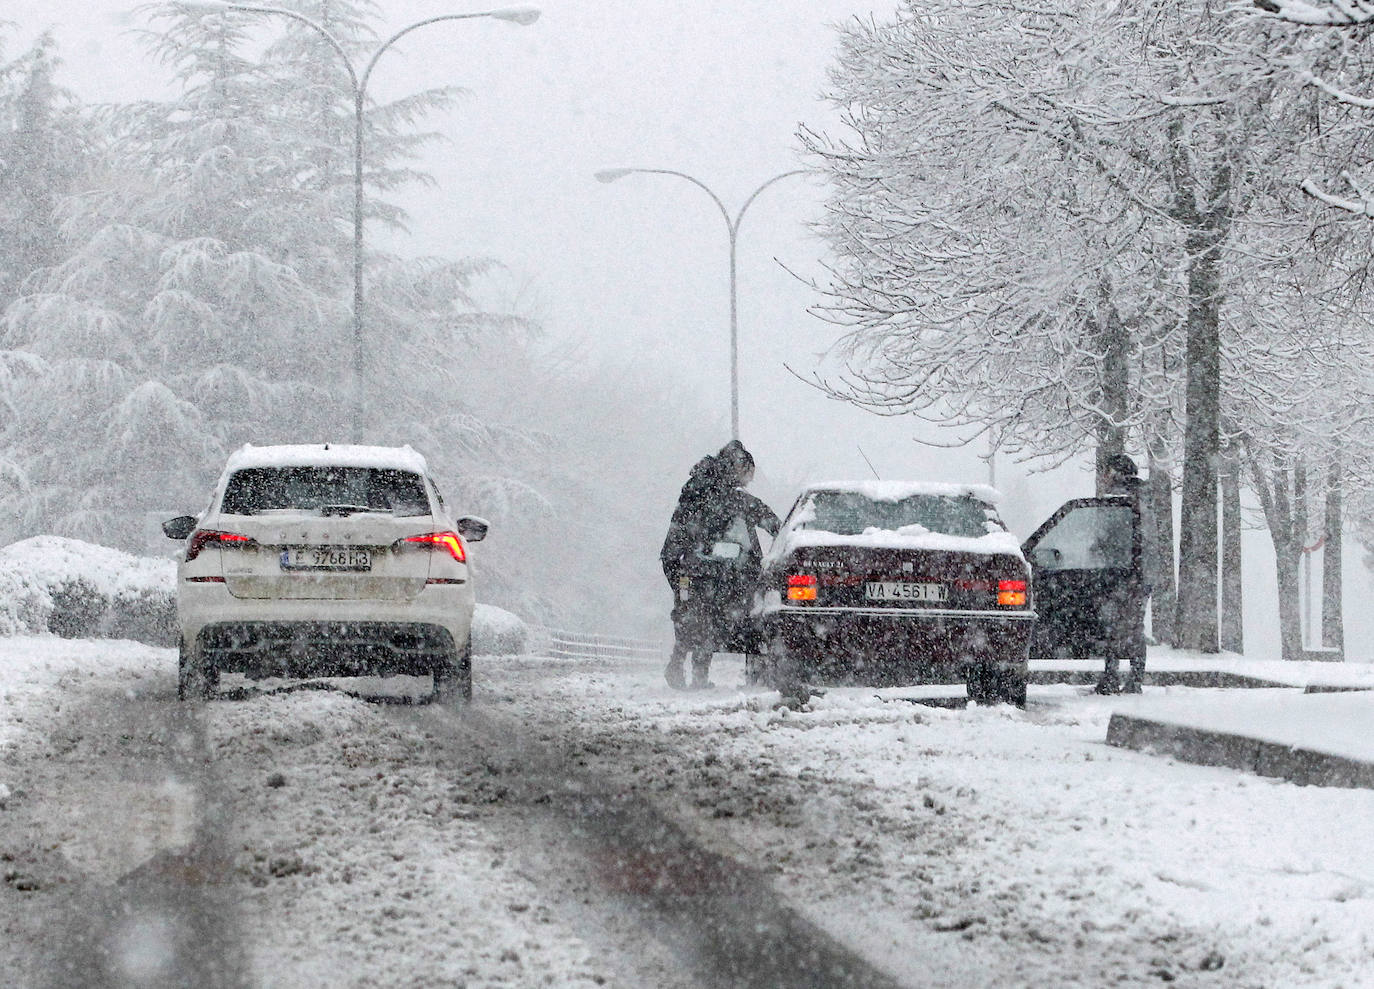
(446, 541)
(801, 587)
(1011, 593)
(204, 537)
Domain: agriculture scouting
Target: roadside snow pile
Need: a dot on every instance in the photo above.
(497, 632)
(24, 604)
(77, 589)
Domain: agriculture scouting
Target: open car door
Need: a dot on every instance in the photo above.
(1086, 557)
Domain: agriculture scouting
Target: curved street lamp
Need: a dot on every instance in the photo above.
(515, 15)
(732, 227)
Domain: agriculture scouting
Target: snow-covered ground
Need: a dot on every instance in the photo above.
(1056, 859)
(370, 844)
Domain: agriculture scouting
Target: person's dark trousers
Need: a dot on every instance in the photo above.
(693, 635)
(1125, 644)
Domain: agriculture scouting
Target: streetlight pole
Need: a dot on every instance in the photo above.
(732, 227)
(358, 83)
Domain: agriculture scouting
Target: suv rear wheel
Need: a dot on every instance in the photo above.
(453, 678)
(195, 681)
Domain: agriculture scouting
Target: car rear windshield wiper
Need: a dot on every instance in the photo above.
(351, 509)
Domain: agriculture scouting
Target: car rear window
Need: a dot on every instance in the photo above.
(849, 513)
(263, 489)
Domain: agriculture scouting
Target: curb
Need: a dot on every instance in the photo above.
(1157, 678)
(1304, 767)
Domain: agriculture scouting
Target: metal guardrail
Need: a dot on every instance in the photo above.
(563, 644)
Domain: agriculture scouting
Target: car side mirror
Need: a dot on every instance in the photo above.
(179, 527)
(473, 529)
(1046, 556)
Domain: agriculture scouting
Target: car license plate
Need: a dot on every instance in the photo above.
(326, 558)
(887, 590)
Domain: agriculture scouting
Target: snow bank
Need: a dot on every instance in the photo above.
(55, 560)
(80, 590)
(25, 604)
(497, 632)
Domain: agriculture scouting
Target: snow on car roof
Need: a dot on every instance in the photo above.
(912, 537)
(995, 541)
(897, 490)
(327, 454)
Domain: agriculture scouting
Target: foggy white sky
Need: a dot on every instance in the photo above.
(714, 88)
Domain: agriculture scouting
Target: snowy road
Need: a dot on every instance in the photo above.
(582, 825)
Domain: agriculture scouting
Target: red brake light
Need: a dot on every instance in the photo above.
(447, 541)
(1012, 593)
(801, 587)
(204, 537)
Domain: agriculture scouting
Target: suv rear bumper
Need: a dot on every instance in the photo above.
(324, 637)
(313, 649)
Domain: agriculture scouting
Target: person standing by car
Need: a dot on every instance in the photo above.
(1123, 607)
(711, 559)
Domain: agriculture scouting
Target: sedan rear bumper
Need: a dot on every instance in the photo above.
(888, 646)
(906, 614)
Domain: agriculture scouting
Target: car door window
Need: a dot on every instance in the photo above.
(1091, 537)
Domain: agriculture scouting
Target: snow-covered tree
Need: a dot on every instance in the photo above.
(202, 295)
(44, 145)
(1051, 221)
(1343, 84)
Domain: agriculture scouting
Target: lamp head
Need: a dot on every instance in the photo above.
(611, 174)
(516, 15)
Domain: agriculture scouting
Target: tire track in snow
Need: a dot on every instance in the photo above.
(720, 918)
(146, 901)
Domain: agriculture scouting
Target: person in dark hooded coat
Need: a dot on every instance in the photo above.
(711, 559)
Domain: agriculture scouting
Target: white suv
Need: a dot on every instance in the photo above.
(325, 560)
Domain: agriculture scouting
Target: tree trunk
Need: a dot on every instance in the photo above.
(1287, 551)
(1160, 564)
(1197, 557)
(1290, 621)
(1114, 385)
(1232, 614)
(1278, 515)
(1333, 616)
(1302, 558)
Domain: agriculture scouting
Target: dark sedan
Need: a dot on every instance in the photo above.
(888, 583)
